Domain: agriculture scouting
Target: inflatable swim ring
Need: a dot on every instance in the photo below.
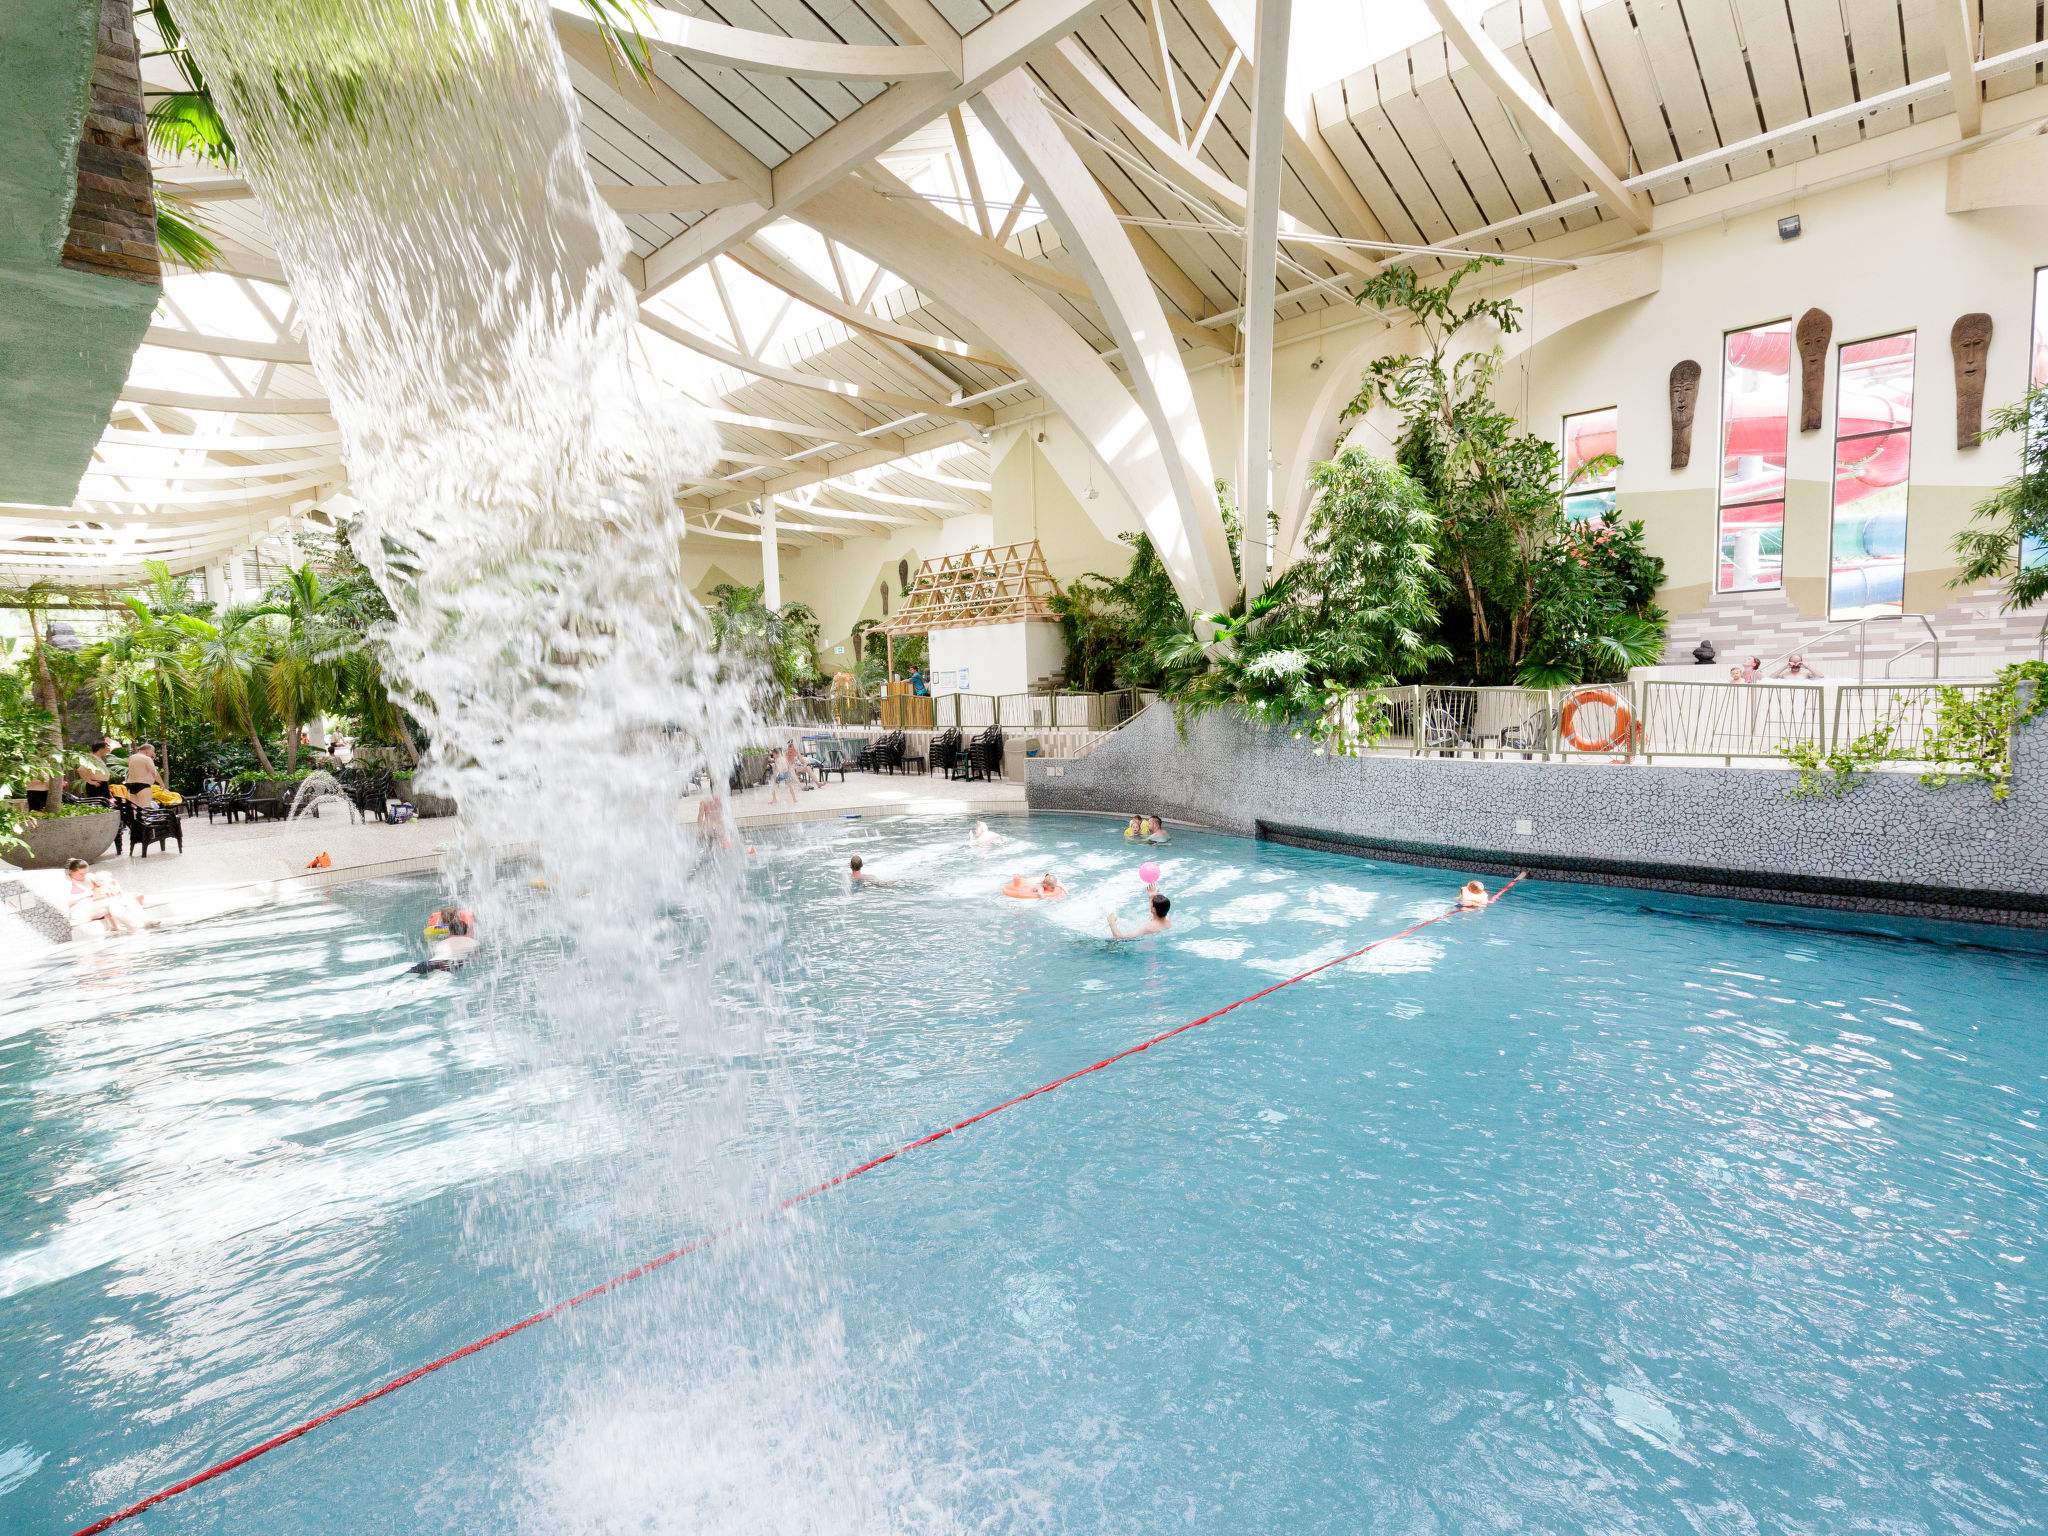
(435, 931)
(1030, 890)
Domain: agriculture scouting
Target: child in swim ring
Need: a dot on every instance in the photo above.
(1473, 896)
(1136, 830)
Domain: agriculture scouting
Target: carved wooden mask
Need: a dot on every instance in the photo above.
(1685, 399)
(1969, 341)
(1812, 333)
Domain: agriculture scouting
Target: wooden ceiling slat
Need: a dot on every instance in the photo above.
(1823, 53)
(1394, 161)
(1334, 105)
(828, 97)
(1548, 179)
(2010, 24)
(1880, 56)
(1469, 152)
(963, 15)
(736, 105)
(1613, 37)
(1407, 118)
(1926, 53)
(1774, 65)
(1661, 32)
(1717, 48)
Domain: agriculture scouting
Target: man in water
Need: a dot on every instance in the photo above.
(860, 876)
(1156, 831)
(1158, 921)
(453, 952)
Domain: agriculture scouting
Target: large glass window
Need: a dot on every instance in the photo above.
(1873, 452)
(1756, 395)
(1590, 435)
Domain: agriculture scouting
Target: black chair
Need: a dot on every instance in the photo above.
(889, 752)
(147, 824)
(227, 798)
(368, 790)
(826, 756)
(945, 750)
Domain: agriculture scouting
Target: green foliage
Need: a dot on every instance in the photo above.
(1536, 600)
(2015, 513)
(1112, 625)
(783, 641)
(1831, 775)
(180, 236)
(1973, 733)
(27, 756)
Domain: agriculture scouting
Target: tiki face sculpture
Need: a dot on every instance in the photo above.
(1812, 333)
(1685, 398)
(1969, 341)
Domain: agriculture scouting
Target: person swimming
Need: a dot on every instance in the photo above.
(981, 837)
(859, 875)
(453, 952)
(1136, 830)
(1473, 896)
(1157, 922)
(1156, 831)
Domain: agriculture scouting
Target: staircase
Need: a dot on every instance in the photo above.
(1976, 639)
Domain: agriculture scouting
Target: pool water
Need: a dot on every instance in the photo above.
(1594, 1211)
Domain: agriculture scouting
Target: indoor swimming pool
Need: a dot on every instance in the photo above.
(1591, 1211)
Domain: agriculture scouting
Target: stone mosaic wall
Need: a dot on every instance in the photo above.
(113, 219)
(1891, 844)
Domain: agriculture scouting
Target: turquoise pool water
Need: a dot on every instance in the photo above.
(1588, 1213)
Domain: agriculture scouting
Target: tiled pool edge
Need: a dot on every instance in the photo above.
(1890, 845)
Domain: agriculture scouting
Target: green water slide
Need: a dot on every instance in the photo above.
(79, 277)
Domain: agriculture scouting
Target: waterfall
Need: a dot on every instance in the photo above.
(460, 283)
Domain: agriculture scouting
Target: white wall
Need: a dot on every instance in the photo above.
(999, 658)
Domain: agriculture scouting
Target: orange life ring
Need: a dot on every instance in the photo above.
(1624, 721)
(1031, 890)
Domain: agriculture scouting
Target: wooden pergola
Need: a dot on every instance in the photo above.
(1006, 584)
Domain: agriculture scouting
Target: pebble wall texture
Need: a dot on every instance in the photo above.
(1891, 844)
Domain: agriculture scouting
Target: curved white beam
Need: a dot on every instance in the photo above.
(209, 471)
(226, 346)
(708, 42)
(189, 442)
(771, 268)
(662, 326)
(940, 257)
(1064, 187)
(233, 405)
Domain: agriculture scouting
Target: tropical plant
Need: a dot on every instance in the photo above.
(2014, 542)
(1973, 733)
(139, 679)
(228, 666)
(312, 650)
(783, 641)
(1112, 625)
(1535, 603)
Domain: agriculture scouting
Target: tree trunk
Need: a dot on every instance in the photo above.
(412, 752)
(262, 756)
(46, 687)
(291, 746)
(1480, 631)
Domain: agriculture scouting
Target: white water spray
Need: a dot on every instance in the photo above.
(460, 283)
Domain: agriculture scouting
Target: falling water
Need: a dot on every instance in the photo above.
(460, 285)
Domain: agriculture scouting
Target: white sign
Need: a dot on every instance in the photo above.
(963, 679)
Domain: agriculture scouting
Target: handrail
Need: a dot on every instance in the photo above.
(1917, 645)
(1859, 626)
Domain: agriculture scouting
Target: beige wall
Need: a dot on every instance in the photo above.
(842, 583)
(1033, 498)
(1878, 258)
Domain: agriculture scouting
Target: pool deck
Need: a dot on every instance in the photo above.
(225, 864)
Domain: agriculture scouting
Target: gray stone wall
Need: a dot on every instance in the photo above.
(1890, 844)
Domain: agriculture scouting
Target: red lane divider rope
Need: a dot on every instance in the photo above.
(708, 1239)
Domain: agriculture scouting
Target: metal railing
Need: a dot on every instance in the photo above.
(1649, 720)
(1862, 628)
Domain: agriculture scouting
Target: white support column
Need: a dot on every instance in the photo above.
(771, 556)
(238, 580)
(1261, 270)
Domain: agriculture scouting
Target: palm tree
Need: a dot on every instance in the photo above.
(312, 652)
(139, 676)
(36, 600)
(229, 665)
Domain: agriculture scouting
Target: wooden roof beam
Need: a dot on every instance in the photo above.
(1589, 80)
(1959, 40)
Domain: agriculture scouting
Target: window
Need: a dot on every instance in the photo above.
(1873, 451)
(1756, 393)
(1590, 435)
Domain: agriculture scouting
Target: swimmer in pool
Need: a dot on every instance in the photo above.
(1156, 832)
(1161, 905)
(860, 876)
(1049, 887)
(1473, 896)
(981, 837)
(451, 953)
(1136, 830)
